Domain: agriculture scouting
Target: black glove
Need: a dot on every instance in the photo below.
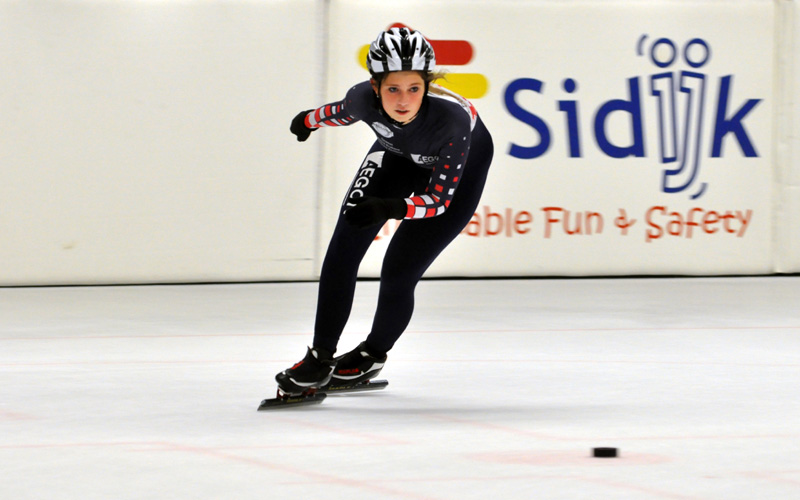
(369, 211)
(298, 126)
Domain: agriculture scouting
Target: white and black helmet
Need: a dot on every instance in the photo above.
(400, 49)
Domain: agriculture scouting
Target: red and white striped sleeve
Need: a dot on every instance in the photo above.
(330, 115)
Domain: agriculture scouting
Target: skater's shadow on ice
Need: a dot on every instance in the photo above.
(507, 410)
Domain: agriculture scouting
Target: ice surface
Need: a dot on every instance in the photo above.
(499, 389)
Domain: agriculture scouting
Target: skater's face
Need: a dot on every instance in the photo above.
(401, 94)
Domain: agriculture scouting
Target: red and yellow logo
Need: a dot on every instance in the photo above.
(448, 53)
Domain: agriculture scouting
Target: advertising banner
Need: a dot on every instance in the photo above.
(630, 137)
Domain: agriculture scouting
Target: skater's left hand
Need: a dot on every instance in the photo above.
(369, 211)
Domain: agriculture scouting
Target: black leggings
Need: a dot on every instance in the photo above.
(412, 249)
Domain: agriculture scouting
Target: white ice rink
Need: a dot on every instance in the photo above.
(498, 390)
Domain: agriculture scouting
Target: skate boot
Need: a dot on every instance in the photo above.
(305, 377)
(356, 366)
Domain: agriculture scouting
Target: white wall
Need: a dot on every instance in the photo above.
(148, 141)
(787, 198)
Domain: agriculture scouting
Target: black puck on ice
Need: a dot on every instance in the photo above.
(605, 452)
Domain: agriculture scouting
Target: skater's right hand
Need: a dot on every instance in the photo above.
(370, 211)
(298, 126)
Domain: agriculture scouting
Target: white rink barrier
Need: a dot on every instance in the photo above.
(148, 142)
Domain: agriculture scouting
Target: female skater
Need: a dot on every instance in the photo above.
(427, 167)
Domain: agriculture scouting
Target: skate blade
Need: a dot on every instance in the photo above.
(291, 401)
(367, 385)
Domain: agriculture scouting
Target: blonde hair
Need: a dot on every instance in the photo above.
(432, 76)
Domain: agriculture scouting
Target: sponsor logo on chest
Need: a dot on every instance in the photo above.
(424, 160)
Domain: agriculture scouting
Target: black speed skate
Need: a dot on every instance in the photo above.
(309, 381)
(356, 370)
(298, 385)
(313, 372)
